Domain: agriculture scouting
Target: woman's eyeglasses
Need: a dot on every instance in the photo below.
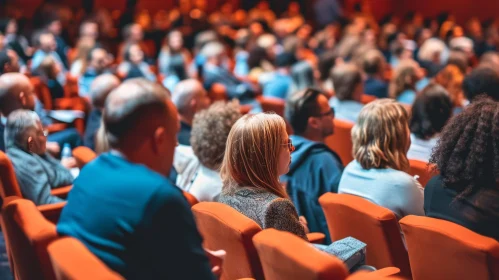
(290, 145)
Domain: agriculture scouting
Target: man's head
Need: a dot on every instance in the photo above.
(45, 41)
(133, 33)
(373, 63)
(9, 62)
(347, 82)
(141, 122)
(97, 59)
(190, 97)
(25, 131)
(481, 80)
(309, 114)
(101, 87)
(16, 92)
(54, 25)
(214, 53)
(89, 29)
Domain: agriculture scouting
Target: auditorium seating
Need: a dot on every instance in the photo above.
(83, 155)
(440, 249)
(72, 260)
(349, 215)
(341, 140)
(286, 256)
(272, 105)
(9, 185)
(422, 169)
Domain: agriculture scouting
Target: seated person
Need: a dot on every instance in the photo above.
(483, 79)
(97, 63)
(48, 72)
(315, 169)
(214, 72)
(37, 171)
(278, 83)
(403, 84)
(9, 61)
(348, 89)
(381, 138)
(176, 72)
(467, 157)
(46, 44)
(122, 207)
(430, 112)
(100, 89)
(134, 65)
(374, 64)
(210, 129)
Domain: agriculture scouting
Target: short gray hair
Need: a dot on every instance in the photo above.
(101, 87)
(19, 123)
(184, 92)
(212, 49)
(132, 105)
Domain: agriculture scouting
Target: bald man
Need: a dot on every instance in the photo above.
(99, 90)
(122, 207)
(189, 97)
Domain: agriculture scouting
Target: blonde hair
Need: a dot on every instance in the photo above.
(380, 136)
(252, 154)
(451, 79)
(404, 78)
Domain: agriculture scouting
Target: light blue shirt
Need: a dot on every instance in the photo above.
(407, 97)
(347, 110)
(38, 58)
(389, 188)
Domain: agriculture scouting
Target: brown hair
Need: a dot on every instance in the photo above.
(404, 78)
(380, 136)
(451, 78)
(252, 153)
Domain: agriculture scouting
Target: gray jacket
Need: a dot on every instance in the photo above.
(266, 209)
(37, 175)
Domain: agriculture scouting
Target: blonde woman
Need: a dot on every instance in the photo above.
(403, 84)
(381, 139)
(257, 153)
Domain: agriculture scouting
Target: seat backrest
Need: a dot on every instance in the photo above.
(29, 234)
(286, 256)
(349, 215)
(42, 92)
(272, 105)
(190, 198)
(72, 260)
(83, 155)
(440, 249)
(423, 169)
(223, 228)
(341, 140)
(8, 180)
(366, 98)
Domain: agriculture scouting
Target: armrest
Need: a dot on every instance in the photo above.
(52, 212)
(61, 192)
(56, 127)
(385, 273)
(316, 237)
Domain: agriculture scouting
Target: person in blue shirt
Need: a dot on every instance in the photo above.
(97, 64)
(278, 83)
(348, 89)
(404, 84)
(374, 64)
(47, 46)
(315, 169)
(122, 206)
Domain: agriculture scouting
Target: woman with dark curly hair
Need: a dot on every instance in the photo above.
(210, 129)
(467, 155)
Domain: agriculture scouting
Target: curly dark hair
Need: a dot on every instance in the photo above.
(467, 154)
(210, 129)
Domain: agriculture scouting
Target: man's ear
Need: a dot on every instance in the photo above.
(30, 143)
(22, 97)
(159, 139)
(313, 123)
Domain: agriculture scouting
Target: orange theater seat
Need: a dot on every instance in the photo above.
(349, 215)
(83, 155)
(422, 169)
(29, 234)
(366, 98)
(223, 228)
(286, 256)
(272, 105)
(341, 140)
(440, 249)
(190, 198)
(8, 181)
(72, 260)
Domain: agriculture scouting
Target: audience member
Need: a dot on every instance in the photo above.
(173, 48)
(13, 40)
(381, 139)
(133, 65)
(214, 72)
(210, 129)
(100, 89)
(467, 157)
(303, 76)
(48, 72)
(37, 172)
(89, 29)
(433, 55)
(189, 98)
(430, 112)
(403, 84)
(47, 46)
(451, 79)
(348, 89)
(132, 193)
(481, 80)
(315, 169)
(83, 48)
(374, 64)
(96, 64)
(53, 25)
(176, 72)
(8, 62)
(278, 83)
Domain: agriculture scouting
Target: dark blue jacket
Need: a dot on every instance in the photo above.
(135, 220)
(315, 169)
(376, 87)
